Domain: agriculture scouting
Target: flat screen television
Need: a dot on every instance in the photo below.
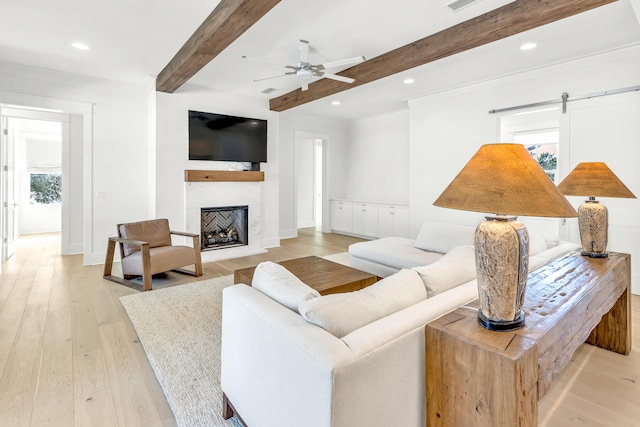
(227, 138)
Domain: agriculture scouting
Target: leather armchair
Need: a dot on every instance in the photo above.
(146, 249)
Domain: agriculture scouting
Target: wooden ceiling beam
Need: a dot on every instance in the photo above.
(513, 18)
(226, 23)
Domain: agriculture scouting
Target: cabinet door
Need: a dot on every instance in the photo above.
(341, 216)
(365, 219)
(385, 220)
(401, 221)
(393, 221)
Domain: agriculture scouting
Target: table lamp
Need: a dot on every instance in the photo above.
(593, 179)
(506, 180)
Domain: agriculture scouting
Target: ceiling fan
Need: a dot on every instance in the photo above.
(306, 71)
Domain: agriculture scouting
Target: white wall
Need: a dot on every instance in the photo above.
(378, 150)
(334, 159)
(172, 146)
(446, 129)
(612, 123)
(114, 139)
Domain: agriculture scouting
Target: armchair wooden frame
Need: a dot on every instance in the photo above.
(146, 260)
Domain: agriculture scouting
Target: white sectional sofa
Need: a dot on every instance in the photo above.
(342, 360)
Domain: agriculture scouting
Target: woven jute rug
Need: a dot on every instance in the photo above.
(180, 330)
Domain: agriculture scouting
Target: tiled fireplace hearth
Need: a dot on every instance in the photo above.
(207, 195)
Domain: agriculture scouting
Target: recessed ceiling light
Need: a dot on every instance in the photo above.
(528, 46)
(335, 103)
(80, 46)
(408, 81)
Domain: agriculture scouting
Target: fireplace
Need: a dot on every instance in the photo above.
(224, 227)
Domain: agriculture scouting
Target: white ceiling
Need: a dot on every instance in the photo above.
(132, 40)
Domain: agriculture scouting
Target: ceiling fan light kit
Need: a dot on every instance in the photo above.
(306, 71)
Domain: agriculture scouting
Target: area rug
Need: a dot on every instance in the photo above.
(179, 328)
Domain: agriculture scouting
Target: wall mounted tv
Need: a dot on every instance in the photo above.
(227, 138)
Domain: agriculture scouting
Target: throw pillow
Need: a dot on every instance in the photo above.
(537, 244)
(340, 314)
(281, 285)
(441, 237)
(456, 267)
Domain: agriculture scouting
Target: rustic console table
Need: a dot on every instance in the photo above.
(477, 377)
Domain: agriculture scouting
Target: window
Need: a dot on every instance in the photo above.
(45, 189)
(543, 146)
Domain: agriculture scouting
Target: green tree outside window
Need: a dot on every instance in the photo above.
(46, 189)
(547, 161)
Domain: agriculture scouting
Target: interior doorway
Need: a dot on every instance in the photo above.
(309, 154)
(33, 143)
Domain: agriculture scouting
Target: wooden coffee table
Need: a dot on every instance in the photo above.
(324, 276)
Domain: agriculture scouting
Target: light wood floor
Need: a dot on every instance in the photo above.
(69, 355)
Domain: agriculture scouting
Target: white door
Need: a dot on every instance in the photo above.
(318, 183)
(310, 151)
(305, 184)
(10, 190)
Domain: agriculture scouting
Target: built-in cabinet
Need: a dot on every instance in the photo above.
(393, 220)
(369, 219)
(365, 219)
(341, 213)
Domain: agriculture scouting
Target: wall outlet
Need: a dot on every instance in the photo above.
(101, 194)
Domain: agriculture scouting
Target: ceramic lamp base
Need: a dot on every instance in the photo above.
(502, 264)
(501, 325)
(595, 254)
(593, 221)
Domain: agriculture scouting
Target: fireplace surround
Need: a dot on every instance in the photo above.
(213, 193)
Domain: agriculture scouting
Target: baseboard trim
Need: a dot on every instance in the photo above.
(289, 234)
(271, 243)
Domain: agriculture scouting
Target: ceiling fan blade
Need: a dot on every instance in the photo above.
(343, 62)
(274, 77)
(338, 78)
(305, 84)
(268, 62)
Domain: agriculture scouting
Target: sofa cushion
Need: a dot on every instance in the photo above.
(155, 231)
(281, 285)
(161, 258)
(537, 244)
(442, 237)
(340, 314)
(456, 267)
(396, 252)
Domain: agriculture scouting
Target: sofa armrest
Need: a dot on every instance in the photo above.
(376, 334)
(543, 258)
(276, 368)
(394, 348)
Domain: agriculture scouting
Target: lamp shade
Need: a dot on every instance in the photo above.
(505, 179)
(594, 179)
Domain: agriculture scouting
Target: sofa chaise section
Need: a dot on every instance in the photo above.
(388, 255)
